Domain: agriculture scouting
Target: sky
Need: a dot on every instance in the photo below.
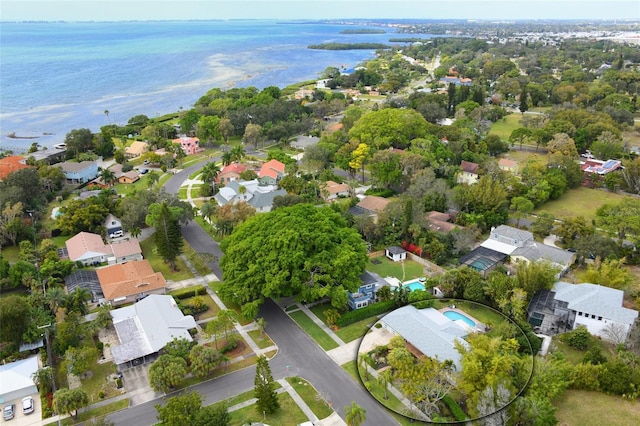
(118, 10)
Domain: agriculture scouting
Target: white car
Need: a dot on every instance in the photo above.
(28, 405)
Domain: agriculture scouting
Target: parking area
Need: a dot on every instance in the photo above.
(22, 419)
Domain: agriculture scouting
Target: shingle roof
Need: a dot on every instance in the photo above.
(469, 167)
(512, 233)
(72, 166)
(336, 188)
(147, 326)
(265, 199)
(86, 245)
(428, 330)
(537, 251)
(373, 203)
(128, 279)
(136, 148)
(595, 299)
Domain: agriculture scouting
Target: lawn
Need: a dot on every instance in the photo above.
(386, 268)
(523, 157)
(157, 263)
(96, 412)
(229, 304)
(314, 330)
(261, 339)
(289, 414)
(311, 397)
(356, 330)
(575, 356)
(98, 382)
(196, 260)
(586, 408)
(504, 127)
(580, 202)
(209, 313)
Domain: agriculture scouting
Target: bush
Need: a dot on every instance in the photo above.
(188, 292)
(579, 338)
(385, 192)
(455, 409)
(364, 313)
(232, 343)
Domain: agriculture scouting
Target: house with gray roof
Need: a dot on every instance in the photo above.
(520, 246)
(260, 197)
(146, 327)
(429, 331)
(567, 306)
(82, 172)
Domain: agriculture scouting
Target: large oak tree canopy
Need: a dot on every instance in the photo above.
(302, 250)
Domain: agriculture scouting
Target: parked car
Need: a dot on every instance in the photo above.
(144, 171)
(9, 411)
(28, 405)
(146, 162)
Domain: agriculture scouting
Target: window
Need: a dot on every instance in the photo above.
(599, 318)
(593, 316)
(579, 314)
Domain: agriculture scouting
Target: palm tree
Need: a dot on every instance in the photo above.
(385, 380)
(78, 300)
(207, 210)
(209, 174)
(238, 153)
(135, 232)
(152, 178)
(108, 177)
(55, 298)
(354, 414)
(227, 158)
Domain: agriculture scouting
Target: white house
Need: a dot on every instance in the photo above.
(16, 379)
(260, 197)
(597, 307)
(146, 327)
(395, 253)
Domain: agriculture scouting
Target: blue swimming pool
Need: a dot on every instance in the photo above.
(453, 315)
(414, 285)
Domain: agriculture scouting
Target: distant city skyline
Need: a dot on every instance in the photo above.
(119, 10)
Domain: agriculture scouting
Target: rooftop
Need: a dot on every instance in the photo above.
(127, 279)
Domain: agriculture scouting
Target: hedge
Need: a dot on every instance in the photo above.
(455, 409)
(189, 292)
(364, 313)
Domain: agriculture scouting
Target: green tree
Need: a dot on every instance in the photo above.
(252, 135)
(108, 177)
(179, 348)
(204, 360)
(264, 390)
(67, 401)
(225, 127)
(208, 131)
(78, 141)
(389, 127)
(324, 257)
(543, 224)
(152, 178)
(209, 174)
(522, 207)
(180, 410)
(82, 359)
(609, 273)
(354, 414)
(213, 415)
(168, 234)
(167, 372)
(14, 310)
(535, 276)
(189, 121)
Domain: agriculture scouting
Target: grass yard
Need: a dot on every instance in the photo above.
(586, 408)
(575, 356)
(261, 339)
(157, 263)
(289, 414)
(523, 157)
(579, 202)
(96, 412)
(505, 126)
(209, 313)
(314, 330)
(388, 268)
(311, 397)
(196, 260)
(356, 330)
(98, 382)
(480, 312)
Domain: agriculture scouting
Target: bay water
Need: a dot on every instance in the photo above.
(59, 76)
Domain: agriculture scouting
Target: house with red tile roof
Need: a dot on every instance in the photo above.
(271, 172)
(508, 165)
(189, 145)
(230, 173)
(468, 173)
(11, 164)
(89, 249)
(129, 282)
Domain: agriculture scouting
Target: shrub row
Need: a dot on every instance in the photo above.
(364, 313)
(188, 292)
(455, 409)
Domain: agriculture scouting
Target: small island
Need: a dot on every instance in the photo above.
(364, 31)
(349, 46)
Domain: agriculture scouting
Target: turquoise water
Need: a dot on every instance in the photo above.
(453, 316)
(60, 76)
(414, 285)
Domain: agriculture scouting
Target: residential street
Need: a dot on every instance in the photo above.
(298, 354)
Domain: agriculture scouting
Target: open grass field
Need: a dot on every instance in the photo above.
(314, 330)
(403, 271)
(586, 408)
(504, 127)
(580, 202)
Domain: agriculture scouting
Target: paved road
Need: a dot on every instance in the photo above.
(298, 356)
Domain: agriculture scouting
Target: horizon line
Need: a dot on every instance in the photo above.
(470, 20)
